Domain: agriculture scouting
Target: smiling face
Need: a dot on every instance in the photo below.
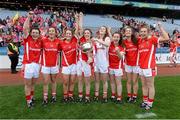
(144, 32)
(52, 33)
(68, 34)
(116, 38)
(128, 32)
(102, 30)
(35, 33)
(87, 34)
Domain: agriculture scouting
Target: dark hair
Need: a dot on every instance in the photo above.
(133, 36)
(35, 28)
(175, 31)
(87, 29)
(120, 40)
(69, 30)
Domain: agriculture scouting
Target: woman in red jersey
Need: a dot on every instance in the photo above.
(131, 64)
(84, 64)
(69, 48)
(31, 58)
(173, 51)
(147, 48)
(116, 54)
(50, 63)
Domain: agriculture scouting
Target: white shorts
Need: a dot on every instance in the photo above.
(101, 69)
(31, 70)
(148, 72)
(131, 69)
(50, 70)
(116, 72)
(69, 70)
(83, 67)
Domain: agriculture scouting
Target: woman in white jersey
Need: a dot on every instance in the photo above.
(102, 43)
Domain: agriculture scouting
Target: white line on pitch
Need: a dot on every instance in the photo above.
(145, 115)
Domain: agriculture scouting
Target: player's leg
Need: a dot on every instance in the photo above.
(46, 78)
(97, 82)
(113, 85)
(119, 89)
(65, 79)
(128, 86)
(73, 72)
(88, 86)
(104, 77)
(144, 91)
(135, 87)
(33, 88)
(71, 86)
(129, 71)
(53, 87)
(27, 89)
(80, 81)
(54, 71)
(151, 92)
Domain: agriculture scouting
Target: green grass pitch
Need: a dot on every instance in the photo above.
(166, 105)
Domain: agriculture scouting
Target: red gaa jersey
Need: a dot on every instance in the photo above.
(32, 50)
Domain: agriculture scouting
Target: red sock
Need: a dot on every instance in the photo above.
(145, 98)
(70, 94)
(28, 98)
(129, 95)
(113, 94)
(150, 102)
(87, 95)
(65, 95)
(135, 95)
(32, 94)
(80, 94)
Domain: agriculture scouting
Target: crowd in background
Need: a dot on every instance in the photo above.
(11, 27)
(136, 24)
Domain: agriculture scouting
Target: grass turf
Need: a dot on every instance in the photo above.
(166, 105)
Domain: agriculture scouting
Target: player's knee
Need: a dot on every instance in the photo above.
(72, 82)
(65, 82)
(128, 82)
(135, 82)
(104, 81)
(45, 82)
(53, 81)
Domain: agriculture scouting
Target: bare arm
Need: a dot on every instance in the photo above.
(105, 43)
(164, 36)
(81, 15)
(26, 27)
(76, 25)
(109, 32)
